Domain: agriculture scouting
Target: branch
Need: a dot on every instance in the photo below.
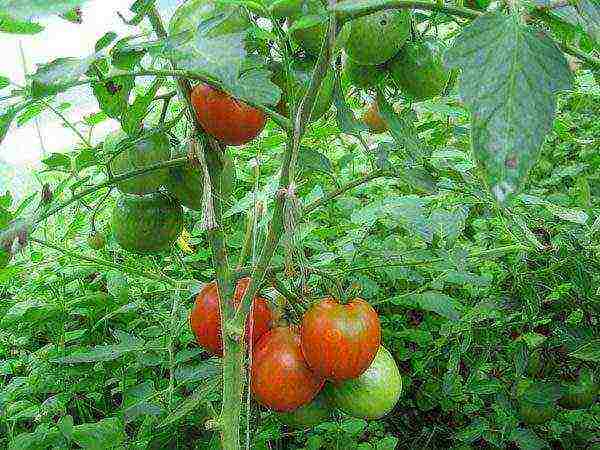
(348, 11)
(67, 123)
(111, 182)
(327, 198)
(109, 264)
(587, 59)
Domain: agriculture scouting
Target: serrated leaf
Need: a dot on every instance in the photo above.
(401, 127)
(312, 160)
(206, 392)
(510, 80)
(108, 433)
(105, 40)
(219, 56)
(11, 25)
(528, 440)
(135, 114)
(59, 75)
(6, 118)
(588, 352)
(255, 86)
(57, 161)
(438, 303)
(113, 95)
(25, 9)
(100, 353)
(344, 115)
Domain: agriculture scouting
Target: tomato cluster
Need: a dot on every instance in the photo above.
(333, 358)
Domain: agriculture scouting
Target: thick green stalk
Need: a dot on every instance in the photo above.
(235, 327)
(233, 352)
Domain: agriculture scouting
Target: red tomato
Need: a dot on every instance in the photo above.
(340, 341)
(205, 318)
(231, 121)
(281, 380)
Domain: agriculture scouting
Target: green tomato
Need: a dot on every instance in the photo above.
(535, 407)
(364, 77)
(192, 12)
(376, 38)
(146, 223)
(186, 182)
(419, 69)
(374, 393)
(151, 150)
(307, 416)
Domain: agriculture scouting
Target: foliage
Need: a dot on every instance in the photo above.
(471, 227)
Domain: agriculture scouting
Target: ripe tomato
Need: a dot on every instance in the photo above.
(205, 318)
(340, 341)
(231, 121)
(372, 119)
(281, 379)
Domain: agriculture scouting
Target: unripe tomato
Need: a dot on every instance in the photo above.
(340, 341)
(579, 394)
(373, 394)
(281, 379)
(205, 318)
(373, 120)
(231, 121)
(309, 415)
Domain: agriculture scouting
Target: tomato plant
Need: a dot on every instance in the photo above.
(436, 159)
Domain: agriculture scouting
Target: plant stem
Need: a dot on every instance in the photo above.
(108, 264)
(67, 122)
(109, 183)
(587, 59)
(235, 327)
(328, 197)
(349, 11)
(233, 351)
(482, 253)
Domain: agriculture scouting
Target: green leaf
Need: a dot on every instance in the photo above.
(206, 392)
(533, 340)
(401, 127)
(510, 80)
(569, 214)
(101, 353)
(528, 440)
(24, 9)
(135, 114)
(59, 75)
(312, 160)
(585, 14)
(11, 25)
(255, 86)
(108, 433)
(588, 352)
(113, 95)
(31, 111)
(345, 117)
(6, 117)
(438, 303)
(57, 161)
(140, 8)
(105, 41)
